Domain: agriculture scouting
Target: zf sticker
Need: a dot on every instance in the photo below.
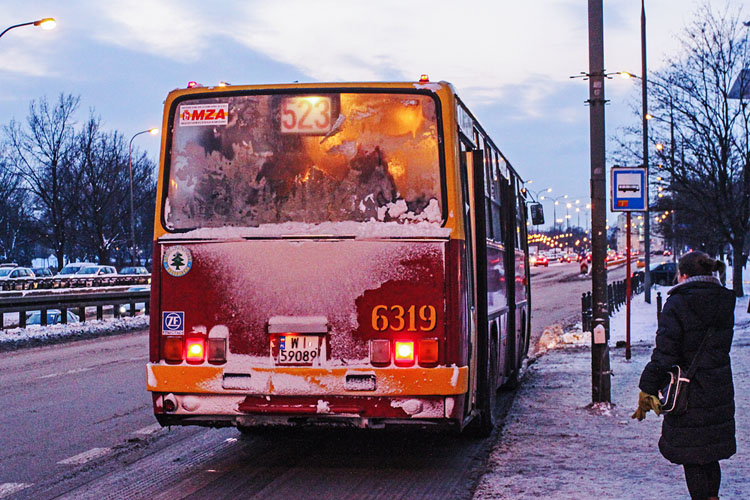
(173, 323)
(177, 260)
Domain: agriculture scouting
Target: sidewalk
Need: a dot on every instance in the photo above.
(554, 445)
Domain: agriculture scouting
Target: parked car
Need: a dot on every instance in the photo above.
(539, 260)
(42, 272)
(72, 268)
(134, 270)
(664, 273)
(53, 317)
(89, 271)
(14, 271)
(139, 306)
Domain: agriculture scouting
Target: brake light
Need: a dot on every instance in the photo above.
(380, 352)
(195, 350)
(404, 353)
(172, 349)
(428, 351)
(217, 350)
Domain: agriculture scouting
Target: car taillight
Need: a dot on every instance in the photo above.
(380, 352)
(195, 350)
(217, 350)
(404, 353)
(427, 352)
(172, 349)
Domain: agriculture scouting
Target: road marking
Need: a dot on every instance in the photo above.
(69, 372)
(84, 457)
(10, 488)
(149, 429)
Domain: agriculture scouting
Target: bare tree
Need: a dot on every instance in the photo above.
(102, 167)
(700, 133)
(15, 222)
(43, 153)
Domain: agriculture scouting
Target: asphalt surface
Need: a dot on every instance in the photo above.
(78, 423)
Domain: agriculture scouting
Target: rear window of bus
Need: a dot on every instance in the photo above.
(250, 160)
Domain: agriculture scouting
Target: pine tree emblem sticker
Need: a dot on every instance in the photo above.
(177, 260)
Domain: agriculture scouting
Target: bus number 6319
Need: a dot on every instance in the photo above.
(398, 319)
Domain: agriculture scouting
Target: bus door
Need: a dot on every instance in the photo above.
(469, 264)
(475, 219)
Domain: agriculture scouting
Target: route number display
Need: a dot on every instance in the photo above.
(306, 115)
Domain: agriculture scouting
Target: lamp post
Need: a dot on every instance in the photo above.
(556, 201)
(151, 131)
(47, 23)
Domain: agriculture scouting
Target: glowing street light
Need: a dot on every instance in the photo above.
(47, 23)
(152, 131)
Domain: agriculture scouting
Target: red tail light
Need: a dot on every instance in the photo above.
(217, 351)
(195, 350)
(428, 352)
(172, 349)
(404, 353)
(380, 352)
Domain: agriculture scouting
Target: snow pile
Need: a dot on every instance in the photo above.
(38, 335)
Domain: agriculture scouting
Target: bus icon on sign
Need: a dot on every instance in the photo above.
(629, 187)
(172, 323)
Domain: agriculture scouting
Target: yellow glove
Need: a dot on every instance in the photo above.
(646, 402)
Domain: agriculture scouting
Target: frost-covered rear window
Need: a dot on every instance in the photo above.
(247, 160)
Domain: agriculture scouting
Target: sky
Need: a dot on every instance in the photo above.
(510, 61)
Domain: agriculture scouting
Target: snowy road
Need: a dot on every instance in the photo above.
(78, 422)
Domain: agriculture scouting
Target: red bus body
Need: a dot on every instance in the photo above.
(302, 325)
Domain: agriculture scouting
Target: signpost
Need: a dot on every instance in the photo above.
(629, 187)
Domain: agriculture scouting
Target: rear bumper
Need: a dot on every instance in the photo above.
(305, 381)
(206, 395)
(259, 411)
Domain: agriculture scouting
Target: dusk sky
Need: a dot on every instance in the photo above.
(510, 61)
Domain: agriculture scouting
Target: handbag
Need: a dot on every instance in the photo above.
(674, 395)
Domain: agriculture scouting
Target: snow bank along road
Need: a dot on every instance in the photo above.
(77, 422)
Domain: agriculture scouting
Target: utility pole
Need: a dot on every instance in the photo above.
(647, 213)
(600, 371)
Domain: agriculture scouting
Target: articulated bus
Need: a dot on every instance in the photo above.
(339, 254)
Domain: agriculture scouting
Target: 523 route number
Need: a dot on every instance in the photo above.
(398, 319)
(306, 115)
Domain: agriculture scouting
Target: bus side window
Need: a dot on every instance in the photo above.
(488, 189)
(520, 216)
(497, 219)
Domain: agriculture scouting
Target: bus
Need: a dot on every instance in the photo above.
(350, 254)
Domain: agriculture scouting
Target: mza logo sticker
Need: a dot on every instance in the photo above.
(173, 322)
(204, 114)
(177, 260)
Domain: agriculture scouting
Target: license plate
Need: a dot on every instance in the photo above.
(298, 349)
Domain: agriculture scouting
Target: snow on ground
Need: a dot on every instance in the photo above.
(34, 335)
(556, 445)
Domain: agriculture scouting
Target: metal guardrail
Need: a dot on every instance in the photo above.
(616, 297)
(73, 282)
(77, 301)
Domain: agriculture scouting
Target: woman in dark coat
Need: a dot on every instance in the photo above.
(705, 434)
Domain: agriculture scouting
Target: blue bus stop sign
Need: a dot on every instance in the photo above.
(628, 187)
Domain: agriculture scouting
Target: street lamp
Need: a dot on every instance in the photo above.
(554, 209)
(47, 23)
(151, 131)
